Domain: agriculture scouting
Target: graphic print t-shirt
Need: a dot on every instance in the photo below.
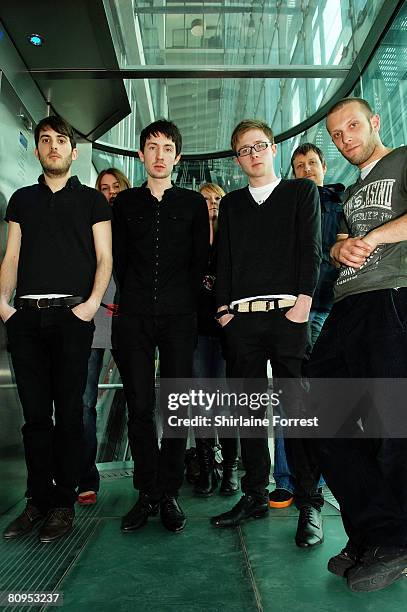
(369, 203)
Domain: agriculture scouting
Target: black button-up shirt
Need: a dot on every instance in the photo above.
(57, 253)
(160, 250)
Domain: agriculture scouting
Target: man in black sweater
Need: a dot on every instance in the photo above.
(161, 245)
(268, 263)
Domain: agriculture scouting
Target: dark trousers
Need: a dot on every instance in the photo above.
(365, 336)
(305, 491)
(49, 350)
(209, 363)
(156, 471)
(251, 340)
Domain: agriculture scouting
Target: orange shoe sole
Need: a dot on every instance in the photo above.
(283, 504)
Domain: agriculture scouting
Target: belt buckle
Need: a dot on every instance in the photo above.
(39, 300)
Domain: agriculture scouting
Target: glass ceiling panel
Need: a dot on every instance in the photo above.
(383, 84)
(227, 33)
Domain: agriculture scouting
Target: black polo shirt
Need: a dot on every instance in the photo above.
(160, 250)
(57, 253)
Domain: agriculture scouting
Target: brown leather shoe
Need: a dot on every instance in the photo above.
(58, 523)
(24, 523)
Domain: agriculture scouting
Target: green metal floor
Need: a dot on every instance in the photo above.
(256, 567)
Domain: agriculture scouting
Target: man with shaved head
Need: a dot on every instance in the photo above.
(365, 337)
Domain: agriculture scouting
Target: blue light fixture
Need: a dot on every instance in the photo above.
(36, 39)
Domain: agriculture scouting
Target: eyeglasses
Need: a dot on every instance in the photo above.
(259, 146)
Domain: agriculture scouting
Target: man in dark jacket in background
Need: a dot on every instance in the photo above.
(308, 161)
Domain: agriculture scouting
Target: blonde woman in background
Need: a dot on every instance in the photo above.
(209, 363)
(110, 182)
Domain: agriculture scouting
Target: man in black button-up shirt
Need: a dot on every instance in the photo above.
(161, 242)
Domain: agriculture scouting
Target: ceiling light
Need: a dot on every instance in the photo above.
(36, 39)
(197, 28)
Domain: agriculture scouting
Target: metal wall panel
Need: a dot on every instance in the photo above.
(18, 167)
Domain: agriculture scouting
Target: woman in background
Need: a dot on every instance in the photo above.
(110, 182)
(209, 363)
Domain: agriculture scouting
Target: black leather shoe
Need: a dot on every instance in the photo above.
(230, 483)
(247, 507)
(343, 561)
(138, 516)
(191, 466)
(23, 523)
(378, 567)
(309, 530)
(172, 516)
(207, 483)
(58, 523)
(208, 480)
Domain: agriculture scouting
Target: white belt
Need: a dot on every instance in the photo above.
(263, 305)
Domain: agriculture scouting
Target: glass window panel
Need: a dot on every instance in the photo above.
(332, 24)
(227, 33)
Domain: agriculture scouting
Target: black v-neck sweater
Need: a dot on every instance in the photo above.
(272, 248)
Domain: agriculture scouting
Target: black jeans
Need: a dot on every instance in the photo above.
(251, 340)
(209, 362)
(156, 471)
(365, 336)
(49, 350)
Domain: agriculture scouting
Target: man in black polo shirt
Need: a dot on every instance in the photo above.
(58, 258)
(161, 245)
(268, 263)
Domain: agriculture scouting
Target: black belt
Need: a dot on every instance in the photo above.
(71, 300)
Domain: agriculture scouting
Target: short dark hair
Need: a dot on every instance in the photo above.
(250, 124)
(165, 127)
(344, 101)
(305, 148)
(59, 125)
